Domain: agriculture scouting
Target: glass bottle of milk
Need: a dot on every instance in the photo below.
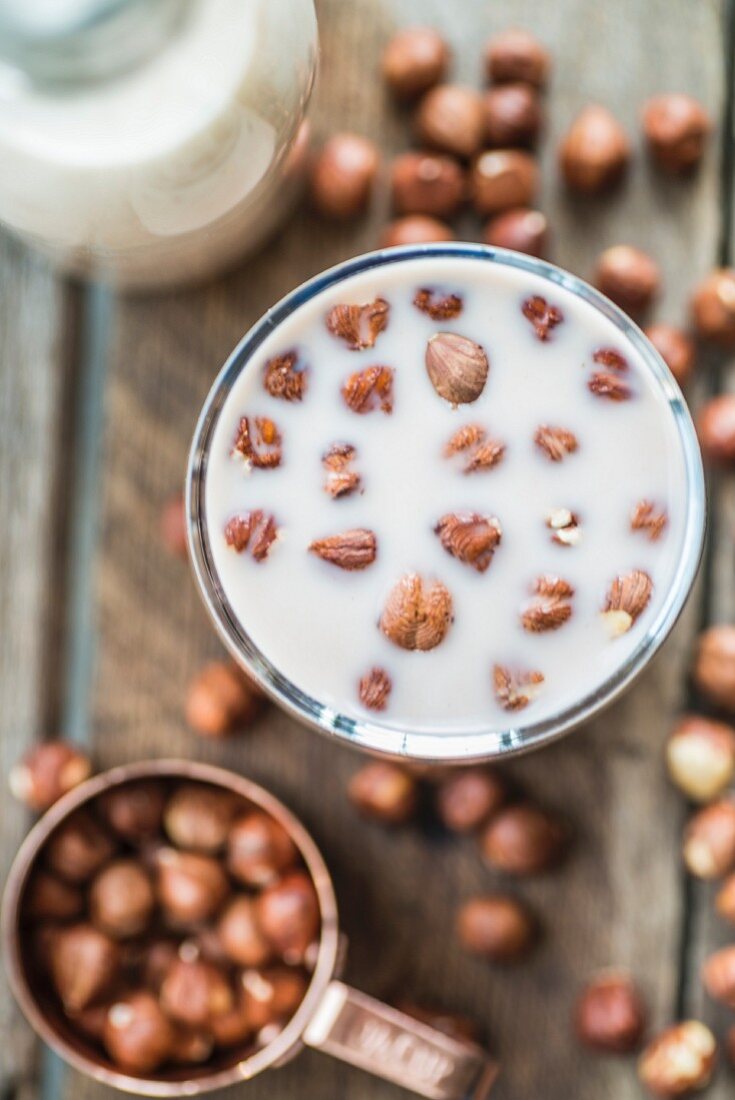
(152, 141)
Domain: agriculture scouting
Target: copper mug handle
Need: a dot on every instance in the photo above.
(386, 1042)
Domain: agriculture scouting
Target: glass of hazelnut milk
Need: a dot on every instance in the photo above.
(445, 502)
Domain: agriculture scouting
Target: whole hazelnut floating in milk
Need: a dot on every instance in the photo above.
(446, 502)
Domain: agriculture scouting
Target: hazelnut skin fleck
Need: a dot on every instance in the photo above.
(451, 118)
(718, 975)
(713, 307)
(700, 756)
(191, 887)
(173, 527)
(714, 665)
(259, 849)
(133, 810)
(512, 115)
(121, 899)
(84, 963)
(629, 277)
(678, 1060)
(468, 798)
(78, 848)
(496, 927)
(343, 176)
(384, 792)
(709, 840)
(427, 183)
(414, 60)
(502, 179)
(238, 932)
(415, 229)
(194, 992)
(523, 840)
(521, 229)
(221, 700)
(676, 128)
(516, 55)
(676, 349)
(595, 152)
(609, 1014)
(198, 817)
(288, 914)
(716, 429)
(46, 772)
(725, 900)
(137, 1035)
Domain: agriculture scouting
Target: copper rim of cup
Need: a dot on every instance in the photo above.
(286, 1043)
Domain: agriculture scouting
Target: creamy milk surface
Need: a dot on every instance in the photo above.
(320, 624)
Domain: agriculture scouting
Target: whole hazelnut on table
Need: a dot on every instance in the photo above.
(676, 349)
(521, 229)
(427, 183)
(78, 848)
(515, 55)
(198, 817)
(609, 1014)
(523, 840)
(709, 840)
(456, 1027)
(595, 152)
(718, 975)
(240, 935)
(134, 810)
(194, 992)
(513, 115)
(288, 914)
(343, 176)
(716, 429)
(258, 849)
(191, 887)
(384, 792)
(84, 964)
(221, 699)
(46, 772)
(121, 899)
(676, 127)
(468, 798)
(414, 60)
(503, 178)
(679, 1060)
(137, 1035)
(628, 276)
(713, 307)
(415, 229)
(173, 527)
(50, 898)
(714, 665)
(496, 927)
(271, 994)
(725, 900)
(451, 118)
(700, 756)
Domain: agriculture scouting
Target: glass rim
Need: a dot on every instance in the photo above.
(437, 746)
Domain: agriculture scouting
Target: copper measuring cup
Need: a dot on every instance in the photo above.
(332, 1017)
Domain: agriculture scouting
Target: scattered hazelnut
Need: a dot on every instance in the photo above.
(718, 975)
(512, 115)
(452, 119)
(725, 900)
(198, 817)
(414, 60)
(713, 307)
(503, 178)
(258, 849)
(709, 840)
(516, 55)
(676, 349)
(415, 229)
(498, 928)
(137, 1035)
(84, 963)
(239, 934)
(609, 1014)
(714, 665)
(426, 183)
(194, 992)
(468, 798)
(523, 840)
(628, 276)
(221, 700)
(50, 898)
(272, 994)
(676, 127)
(191, 887)
(288, 914)
(46, 772)
(679, 1060)
(521, 229)
(174, 528)
(78, 848)
(700, 755)
(595, 152)
(456, 1027)
(121, 899)
(343, 176)
(134, 810)
(384, 792)
(716, 429)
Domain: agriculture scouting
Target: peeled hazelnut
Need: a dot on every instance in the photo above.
(675, 348)
(426, 183)
(258, 849)
(137, 1035)
(716, 429)
(415, 229)
(194, 992)
(457, 367)
(714, 665)
(725, 900)
(468, 798)
(198, 817)
(676, 128)
(78, 848)
(46, 772)
(517, 55)
(83, 963)
(288, 915)
(595, 152)
(121, 899)
(503, 178)
(384, 792)
(679, 1060)
(456, 1027)
(50, 898)
(713, 307)
(452, 119)
(512, 115)
(718, 975)
(134, 810)
(414, 60)
(343, 176)
(609, 1015)
(272, 994)
(523, 840)
(629, 277)
(174, 528)
(700, 755)
(191, 887)
(521, 229)
(709, 840)
(239, 934)
(498, 928)
(221, 700)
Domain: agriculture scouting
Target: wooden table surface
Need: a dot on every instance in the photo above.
(101, 629)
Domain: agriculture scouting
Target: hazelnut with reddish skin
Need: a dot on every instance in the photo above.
(451, 118)
(676, 349)
(232, 1028)
(513, 115)
(134, 810)
(496, 927)
(415, 229)
(198, 817)
(629, 277)
(272, 994)
(414, 60)
(384, 792)
(516, 55)
(137, 1035)
(595, 152)
(718, 975)
(502, 179)
(343, 176)
(50, 898)
(192, 1047)
(83, 963)
(259, 849)
(78, 848)
(427, 183)
(716, 429)
(713, 307)
(676, 127)
(609, 1014)
(679, 1060)
(191, 887)
(523, 840)
(194, 992)
(725, 900)
(714, 665)
(468, 798)
(239, 933)
(46, 772)
(121, 899)
(221, 699)
(173, 527)
(700, 756)
(709, 840)
(288, 915)
(521, 229)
